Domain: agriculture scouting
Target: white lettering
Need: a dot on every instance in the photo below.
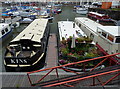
(12, 61)
(16, 61)
(25, 61)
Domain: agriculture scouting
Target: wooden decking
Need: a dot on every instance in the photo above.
(52, 54)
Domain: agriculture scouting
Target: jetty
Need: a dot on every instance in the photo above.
(52, 53)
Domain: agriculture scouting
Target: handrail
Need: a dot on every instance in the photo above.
(74, 63)
(61, 67)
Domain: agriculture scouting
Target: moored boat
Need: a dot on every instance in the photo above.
(27, 51)
(65, 32)
(75, 46)
(107, 38)
(99, 17)
(26, 20)
(82, 10)
(5, 30)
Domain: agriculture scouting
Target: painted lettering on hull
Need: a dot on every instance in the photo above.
(18, 61)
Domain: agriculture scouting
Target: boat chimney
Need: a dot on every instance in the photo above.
(73, 25)
(67, 20)
(97, 21)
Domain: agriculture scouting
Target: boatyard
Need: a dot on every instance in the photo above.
(60, 44)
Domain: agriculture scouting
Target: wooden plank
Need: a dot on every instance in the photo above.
(52, 55)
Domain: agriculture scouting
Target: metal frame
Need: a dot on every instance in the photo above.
(78, 79)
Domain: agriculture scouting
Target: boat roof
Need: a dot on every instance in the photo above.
(66, 29)
(113, 30)
(92, 25)
(34, 31)
(3, 25)
(98, 14)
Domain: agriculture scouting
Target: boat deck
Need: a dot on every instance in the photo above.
(52, 54)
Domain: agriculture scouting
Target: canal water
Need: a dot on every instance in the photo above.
(67, 14)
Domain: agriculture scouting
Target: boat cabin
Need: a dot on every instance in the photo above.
(98, 15)
(110, 33)
(4, 29)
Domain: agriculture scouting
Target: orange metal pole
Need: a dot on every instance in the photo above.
(78, 79)
(68, 78)
(93, 81)
(74, 63)
(99, 64)
(99, 80)
(68, 85)
(29, 79)
(57, 73)
(111, 79)
(44, 76)
(69, 70)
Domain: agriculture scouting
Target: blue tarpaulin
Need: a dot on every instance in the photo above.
(5, 15)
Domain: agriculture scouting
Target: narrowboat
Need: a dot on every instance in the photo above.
(107, 38)
(27, 51)
(99, 17)
(75, 46)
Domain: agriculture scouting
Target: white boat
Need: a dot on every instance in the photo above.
(13, 21)
(82, 10)
(106, 37)
(26, 20)
(44, 14)
(5, 30)
(69, 28)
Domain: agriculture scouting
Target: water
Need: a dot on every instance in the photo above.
(67, 13)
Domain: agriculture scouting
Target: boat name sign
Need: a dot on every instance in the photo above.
(16, 61)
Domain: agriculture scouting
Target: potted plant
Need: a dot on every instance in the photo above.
(64, 51)
(88, 40)
(79, 40)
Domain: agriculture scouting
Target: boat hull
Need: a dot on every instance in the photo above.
(5, 37)
(82, 12)
(40, 64)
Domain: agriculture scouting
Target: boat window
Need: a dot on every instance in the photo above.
(111, 38)
(3, 32)
(91, 36)
(117, 40)
(99, 31)
(104, 34)
(6, 29)
(79, 25)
